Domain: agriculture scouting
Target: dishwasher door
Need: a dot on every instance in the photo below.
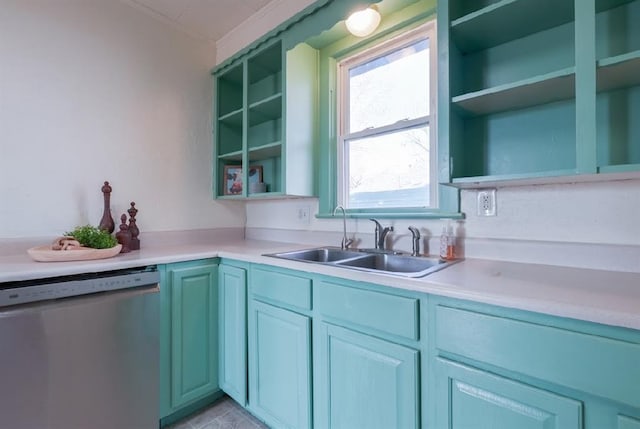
(87, 362)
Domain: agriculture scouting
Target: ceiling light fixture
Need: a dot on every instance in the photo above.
(363, 22)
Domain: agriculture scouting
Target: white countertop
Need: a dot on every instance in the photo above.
(607, 297)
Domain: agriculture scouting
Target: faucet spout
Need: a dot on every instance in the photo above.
(380, 234)
(416, 241)
(346, 242)
(383, 236)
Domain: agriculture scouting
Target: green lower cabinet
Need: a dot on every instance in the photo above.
(364, 382)
(279, 366)
(467, 398)
(232, 282)
(625, 422)
(189, 340)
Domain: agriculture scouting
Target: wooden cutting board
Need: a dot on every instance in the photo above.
(45, 254)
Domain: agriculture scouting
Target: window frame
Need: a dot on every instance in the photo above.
(326, 152)
(358, 57)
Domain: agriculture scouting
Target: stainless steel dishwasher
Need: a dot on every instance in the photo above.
(80, 352)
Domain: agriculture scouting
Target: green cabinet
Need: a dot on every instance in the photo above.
(366, 358)
(497, 368)
(364, 382)
(232, 284)
(625, 422)
(265, 112)
(280, 347)
(280, 366)
(327, 352)
(534, 89)
(469, 398)
(189, 334)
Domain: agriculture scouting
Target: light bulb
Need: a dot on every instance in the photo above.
(363, 22)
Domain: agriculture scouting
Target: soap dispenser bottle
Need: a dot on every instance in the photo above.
(447, 243)
(444, 243)
(451, 243)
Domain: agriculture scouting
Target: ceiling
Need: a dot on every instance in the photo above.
(206, 19)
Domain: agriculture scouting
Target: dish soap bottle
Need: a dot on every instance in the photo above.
(451, 243)
(447, 243)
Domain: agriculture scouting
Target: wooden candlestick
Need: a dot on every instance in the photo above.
(106, 223)
(124, 236)
(133, 227)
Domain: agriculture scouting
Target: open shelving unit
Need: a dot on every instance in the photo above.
(502, 21)
(255, 128)
(537, 90)
(512, 90)
(618, 86)
(530, 98)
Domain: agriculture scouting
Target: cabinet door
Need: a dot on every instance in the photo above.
(625, 422)
(469, 398)
(194, 339)
(365, 382)
(232, 282)
(280, 366)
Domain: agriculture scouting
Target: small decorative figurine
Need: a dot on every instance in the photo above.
(124, 236)
(133, 227)
(106, 223)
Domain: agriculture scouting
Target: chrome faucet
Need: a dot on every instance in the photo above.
(415, 240)
(381, 234)
(346, 242)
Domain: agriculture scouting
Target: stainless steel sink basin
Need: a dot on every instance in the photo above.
(375, 262)
(397, 264)
(321, 254)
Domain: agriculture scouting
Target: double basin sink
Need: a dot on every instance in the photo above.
(374, 261)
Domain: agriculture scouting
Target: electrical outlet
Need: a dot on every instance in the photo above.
(303, 214)
(487, 202)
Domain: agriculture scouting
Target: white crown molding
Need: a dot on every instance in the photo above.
(270, 16)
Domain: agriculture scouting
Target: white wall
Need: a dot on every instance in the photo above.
(587, 225)
(94, 90)
(586, 213)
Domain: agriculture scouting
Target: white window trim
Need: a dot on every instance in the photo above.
(427, 30)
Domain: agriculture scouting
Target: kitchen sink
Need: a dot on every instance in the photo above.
(321, 254)
(397, 264)
(370, 261)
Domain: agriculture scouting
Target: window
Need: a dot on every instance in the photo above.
(386, 133)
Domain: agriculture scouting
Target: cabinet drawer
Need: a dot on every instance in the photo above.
(470, 398)
(390, 314)
(281, 288)
(602, 366)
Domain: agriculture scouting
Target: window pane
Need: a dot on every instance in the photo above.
(390, 88)
(391, 170)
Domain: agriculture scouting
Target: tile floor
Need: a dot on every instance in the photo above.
(224, 414)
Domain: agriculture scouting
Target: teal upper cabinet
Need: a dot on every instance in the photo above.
(520, 104)
(265, 123)
(618, 85)
(189, 345)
